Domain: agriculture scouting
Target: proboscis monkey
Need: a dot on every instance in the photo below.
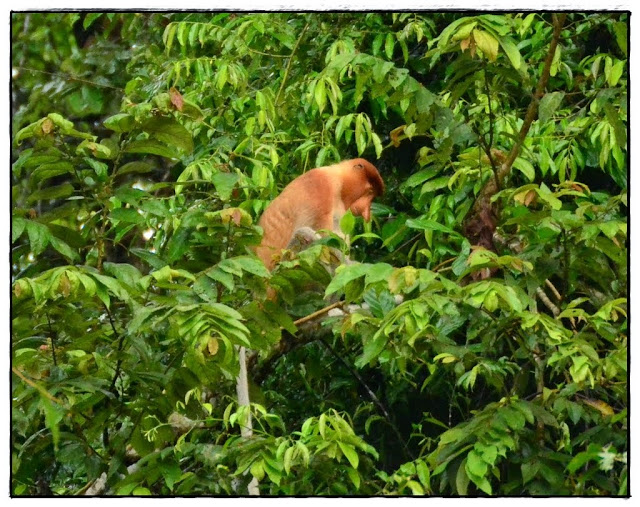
(315, 200)
(318, 199)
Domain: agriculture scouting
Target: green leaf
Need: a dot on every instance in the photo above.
(555, 63)
(372, 348)
(93, 149)
(443, 39)
(223, 277)
(514, 418)
(101, 169)
(50, 193)
(155, 207)
(350, 453)
(512, 52)
(53, 415)
(581, 459)
(168, 36)
(388, 45)
(127, 215)
(420, 177)
(380, 70)
(464, 31)
(135, 167)
(378, 272)
(178, 244)
(120, 122)
(430, 225)
(47, 171)
(125, 273)
(620, 31)
(529, 470)
(90, 18)
(347, 223)
(475, 464)
(39, 236)
(487, 44)
(416, 488)
(547, 196)
(361, 140)
(63, 248)
(171, 473)
(354, 476)
(548, 105)
(423, 473)
(345, 274)
(18, 225)
(525, 167)
(436, 184)
(616, 72)
(224, 183)
(152, 147)
(169, 131)
(618, 127)
(320, 95)
(462, 479)
(152, 259)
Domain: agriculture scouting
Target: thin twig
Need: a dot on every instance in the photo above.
(69, 77)
(53, 341)
(39, 388)
(120, 339)
(553, 289)
(313, 315)
(286, 71)
(488, 146)
(547, 302)
(374, 398)
(532, 110)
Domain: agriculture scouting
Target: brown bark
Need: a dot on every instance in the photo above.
(481, 222)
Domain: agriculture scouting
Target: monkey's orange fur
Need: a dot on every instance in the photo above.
(318, 199)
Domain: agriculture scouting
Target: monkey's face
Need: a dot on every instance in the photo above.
(362, 206)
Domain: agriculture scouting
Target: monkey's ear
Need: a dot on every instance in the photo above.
(358, 166)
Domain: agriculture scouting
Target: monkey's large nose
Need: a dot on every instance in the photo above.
(366, 214)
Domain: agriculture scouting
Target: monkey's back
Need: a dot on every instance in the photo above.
(306, 201)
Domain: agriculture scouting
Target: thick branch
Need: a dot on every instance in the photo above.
(532, 110)
(480, 224)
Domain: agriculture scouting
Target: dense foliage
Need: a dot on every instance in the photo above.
(146, 146)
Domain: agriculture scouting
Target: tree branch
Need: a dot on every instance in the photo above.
(532, 110)
(480, 224)
(286, 71)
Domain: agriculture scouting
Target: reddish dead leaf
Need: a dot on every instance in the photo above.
(176, 98)
(525, 198)
(530, 197)
(395, 135)
(236, 217)
(465, 43)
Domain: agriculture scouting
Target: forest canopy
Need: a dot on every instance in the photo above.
(479, 342)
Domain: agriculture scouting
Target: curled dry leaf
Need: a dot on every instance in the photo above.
(176, 98)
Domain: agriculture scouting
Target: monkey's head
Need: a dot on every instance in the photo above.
(364, 183)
